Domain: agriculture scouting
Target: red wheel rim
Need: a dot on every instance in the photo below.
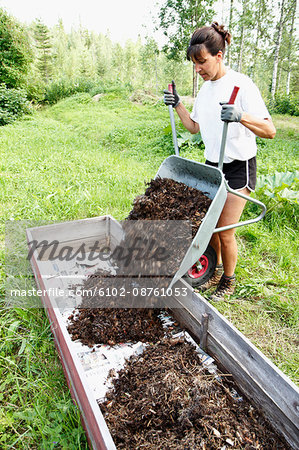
(194, 272)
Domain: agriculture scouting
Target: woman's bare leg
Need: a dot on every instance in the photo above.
(224, 242)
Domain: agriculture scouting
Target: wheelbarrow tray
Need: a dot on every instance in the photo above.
(209, 180)
(258, 378)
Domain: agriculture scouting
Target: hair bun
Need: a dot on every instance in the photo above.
(224, 33)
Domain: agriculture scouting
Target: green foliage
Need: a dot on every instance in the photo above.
(186, 139)
(277, 187)
(284, 104)
(13, 104)
(179, 19)
(64, 87)
(43, 45)
(15, 52)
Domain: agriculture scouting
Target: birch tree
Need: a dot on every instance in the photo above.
(277, 48)
(293, 14)
(179, 19)
(230, 26)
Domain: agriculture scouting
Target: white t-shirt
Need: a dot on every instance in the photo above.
(206, 112)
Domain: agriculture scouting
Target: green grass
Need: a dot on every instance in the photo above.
(81, 159)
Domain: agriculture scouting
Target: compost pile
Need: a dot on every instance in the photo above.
(166, 399)
(113, 326)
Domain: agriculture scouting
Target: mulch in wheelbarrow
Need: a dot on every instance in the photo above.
(164, 200)
(165, 399)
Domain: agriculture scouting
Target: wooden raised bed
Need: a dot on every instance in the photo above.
(259, 379)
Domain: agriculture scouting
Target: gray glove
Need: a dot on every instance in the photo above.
(172, 99)
(231, 113)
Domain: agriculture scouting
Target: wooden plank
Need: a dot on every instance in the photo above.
(92, 418)
(68, 231)
(255, 374)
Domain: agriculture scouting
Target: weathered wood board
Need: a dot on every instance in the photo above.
(262, 382)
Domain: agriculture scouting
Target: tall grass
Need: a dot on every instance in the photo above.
(81, 159)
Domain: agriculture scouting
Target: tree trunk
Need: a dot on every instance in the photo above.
(293, 12)
(195, 80)
(229, 29)
(256, 45)
(241, 50)
(240, 56)
(277, 48)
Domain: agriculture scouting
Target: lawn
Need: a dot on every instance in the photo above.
(81, 159)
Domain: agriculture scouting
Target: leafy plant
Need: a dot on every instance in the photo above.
(15, 51)
(64, 87)
(13, 104)
(186, 139)
(281, 187)
(284, 104)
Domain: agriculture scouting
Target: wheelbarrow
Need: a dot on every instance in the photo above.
(211, 181)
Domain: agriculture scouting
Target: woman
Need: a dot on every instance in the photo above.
(249, 118)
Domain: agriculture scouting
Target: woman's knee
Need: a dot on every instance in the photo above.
(227, 237)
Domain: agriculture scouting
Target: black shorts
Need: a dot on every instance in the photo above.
(239, 174)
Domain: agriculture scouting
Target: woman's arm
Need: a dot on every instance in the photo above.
(263, 128)
(186, 120)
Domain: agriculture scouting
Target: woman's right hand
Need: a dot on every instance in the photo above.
(171, 99)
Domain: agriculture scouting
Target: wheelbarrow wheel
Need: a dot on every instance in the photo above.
(204, 268)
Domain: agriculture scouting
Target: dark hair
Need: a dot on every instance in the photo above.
(212, 38)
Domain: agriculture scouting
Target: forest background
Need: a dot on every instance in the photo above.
(47, 64)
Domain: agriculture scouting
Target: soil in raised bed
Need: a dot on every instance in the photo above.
(113, 326)
(165, 399)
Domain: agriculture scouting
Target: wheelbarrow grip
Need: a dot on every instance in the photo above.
(233, 95)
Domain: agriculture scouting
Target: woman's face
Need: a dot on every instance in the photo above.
(209, 67)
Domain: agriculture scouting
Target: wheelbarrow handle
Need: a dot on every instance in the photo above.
(172, 122)
(244, 222)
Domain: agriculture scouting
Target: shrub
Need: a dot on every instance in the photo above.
(13, 104)
(284, 104)
(15, 52)
(114, 86)
(64, 87)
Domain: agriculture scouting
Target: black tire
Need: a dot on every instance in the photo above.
(208, 262)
